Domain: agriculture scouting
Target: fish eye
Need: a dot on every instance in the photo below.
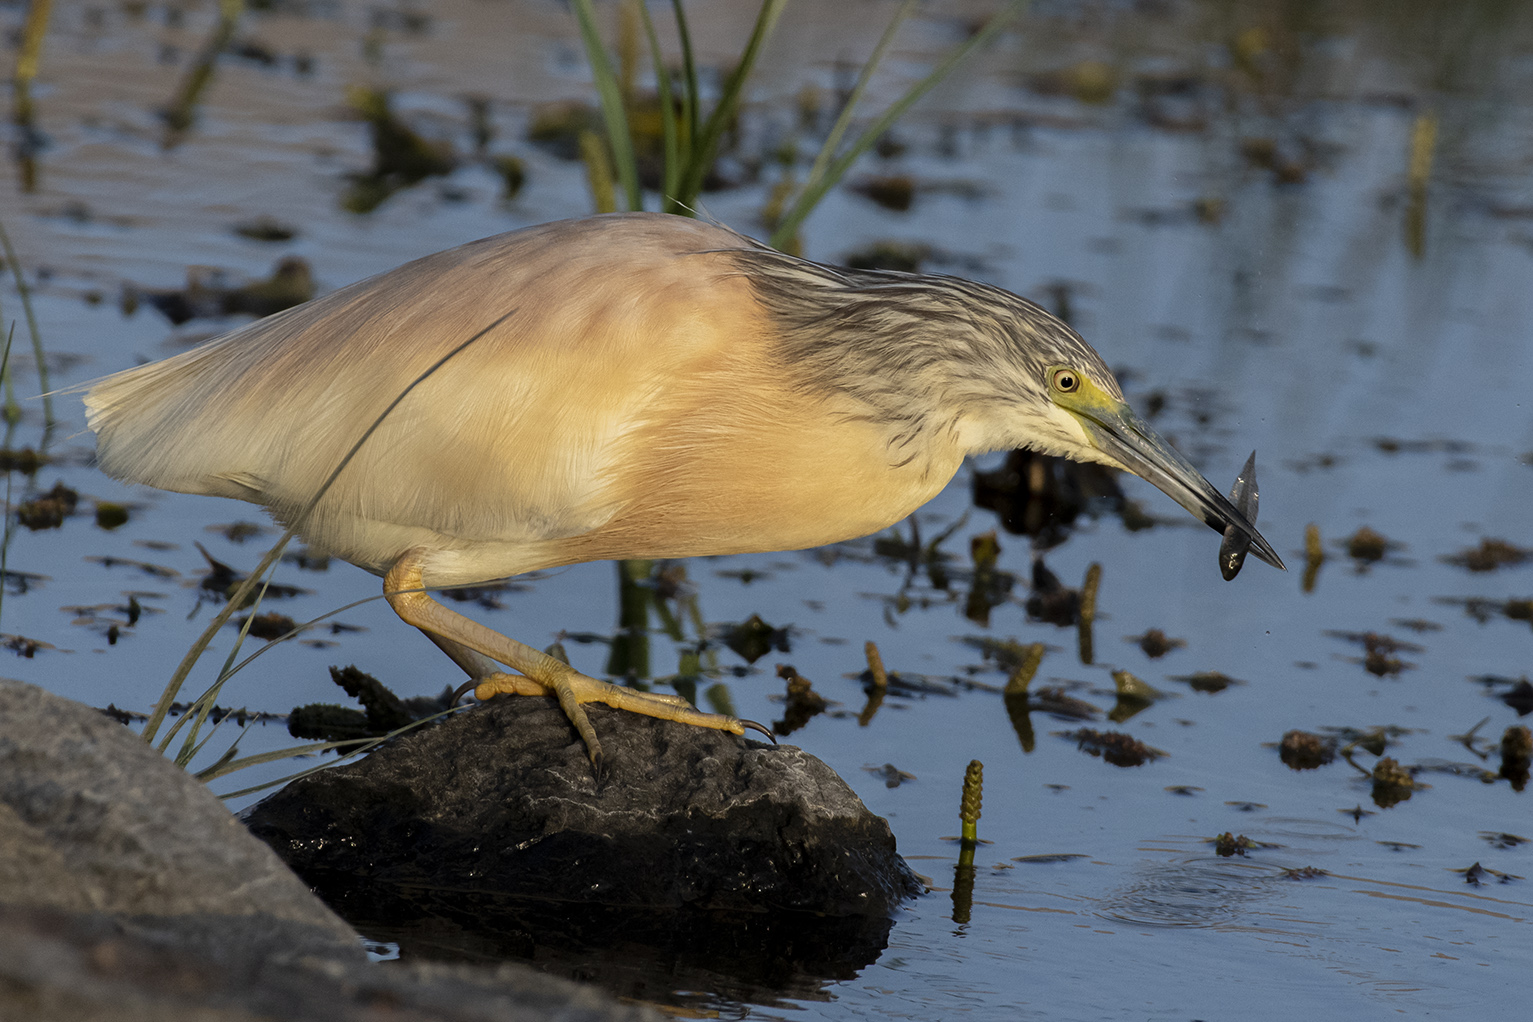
(1066, 381)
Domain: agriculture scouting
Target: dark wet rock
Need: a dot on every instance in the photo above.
(94, 820)
(1305, 750)
(128, 892)
(502, 800)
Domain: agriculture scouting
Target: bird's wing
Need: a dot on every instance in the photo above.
(511, 439)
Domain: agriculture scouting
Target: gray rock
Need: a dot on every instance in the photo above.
(94, 820)
(502, 800)
(127, 891)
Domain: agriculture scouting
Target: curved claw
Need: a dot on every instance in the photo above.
(762, 728)
(462, 690)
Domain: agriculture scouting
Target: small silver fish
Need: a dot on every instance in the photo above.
(1232, 552)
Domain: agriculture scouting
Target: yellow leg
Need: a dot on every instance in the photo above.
(540, 674)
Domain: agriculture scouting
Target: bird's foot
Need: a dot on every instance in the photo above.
(574, 689)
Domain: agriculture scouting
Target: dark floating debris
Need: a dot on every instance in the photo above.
(382, 711)
(1373, 740)
(1134, 694)
(1207, 681)
(265, 228)
(1477, 875)
(402, 157)
(1500, 840)
(208, 295)
(1228, 844)
(1041, 496)
(891, 775)
(906, 257)
(110, 515)
(48, 510)
(1365, 546)
(24, 460)
(221, 580)
(1051, 600)
(23, 646)
(267, 626)
(120, 715)
(803, 702)
(1392, 783)
(1304, 750)
(891, 191)
(1483, 609)
(1232, 551)
(1490, 555)
(1517, 755)
(989, 586)
(1154, 643)
(1378, 651)
(753, 638)
(238, 532)
(1115, 747)
(1055, 701)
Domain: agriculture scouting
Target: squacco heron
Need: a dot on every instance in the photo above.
(637, 386)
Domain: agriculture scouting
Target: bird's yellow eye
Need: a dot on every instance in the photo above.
(1066, 381)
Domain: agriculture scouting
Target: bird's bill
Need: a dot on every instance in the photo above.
(1133, 443)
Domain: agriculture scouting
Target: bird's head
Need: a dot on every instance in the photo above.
(1090, 421)
(938, 355)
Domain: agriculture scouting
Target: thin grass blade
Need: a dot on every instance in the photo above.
(833, 140)
(37, 337)
(810, 197)
(667, 113)
(701, 155)
(613, 113)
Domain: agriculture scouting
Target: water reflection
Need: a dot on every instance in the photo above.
(690, 959)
